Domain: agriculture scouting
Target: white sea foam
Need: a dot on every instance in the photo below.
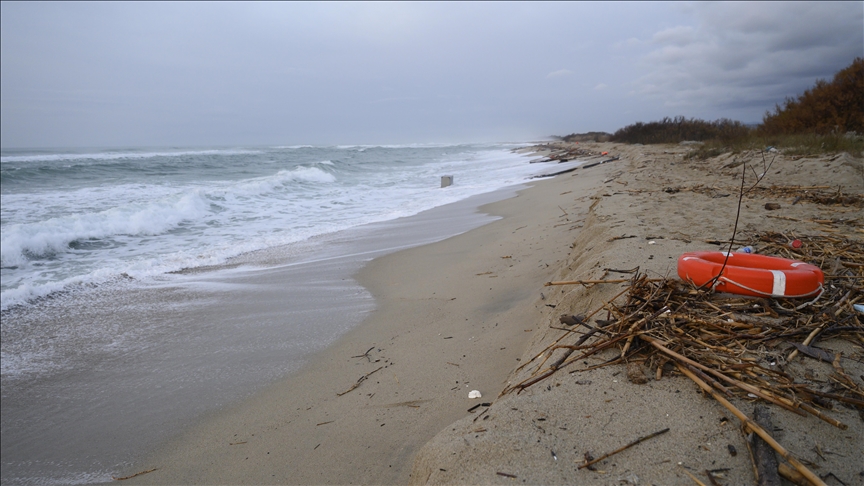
(54, 235)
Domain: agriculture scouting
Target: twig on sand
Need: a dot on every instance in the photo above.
(616, 451)
(365, 355)
(133, 475)
(694, 478)
(588, 282)
(359, 381)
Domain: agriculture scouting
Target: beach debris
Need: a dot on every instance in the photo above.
(763, 455)
(694, 478)
(365, 355)
(772, 206)
(589, 463)
(553, 174)
(506, 475)
(730, 346)
(749, 424)
(815, 352)
(591, 282)
(622, 237)
(475, 407)
(636, 373)
(474, 394)
(134, 475)
(792, 475)
(571, 320)
(589, 459)
(359, 381)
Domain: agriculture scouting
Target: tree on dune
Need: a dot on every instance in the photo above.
(834, 107)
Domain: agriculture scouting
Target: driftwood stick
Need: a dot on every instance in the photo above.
(814, 411)
(359, 380)
(813, 478)
(638, 324)
(694, 478)
(744, 386)
(133, 475)
(587, 282)
(554, 343)
(807, 341)
(792, 475)
(834, 396)
(616, 451)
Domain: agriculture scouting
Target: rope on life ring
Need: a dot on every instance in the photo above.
(752, 274)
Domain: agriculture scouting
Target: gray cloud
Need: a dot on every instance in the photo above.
(93, 74)
(744, 56)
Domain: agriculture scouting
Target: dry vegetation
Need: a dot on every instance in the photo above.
(827, 118)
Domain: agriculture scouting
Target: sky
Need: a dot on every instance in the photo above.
(127, 74)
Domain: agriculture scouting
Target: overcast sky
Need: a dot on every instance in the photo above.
(193, 74)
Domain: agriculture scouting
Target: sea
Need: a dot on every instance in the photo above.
(143, 289)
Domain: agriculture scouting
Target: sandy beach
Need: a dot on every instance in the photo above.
(388, 402)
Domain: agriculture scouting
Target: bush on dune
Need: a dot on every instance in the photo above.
(829, 117)
(679, 129)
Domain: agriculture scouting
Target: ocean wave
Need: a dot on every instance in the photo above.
(22, 242)
(264, 185)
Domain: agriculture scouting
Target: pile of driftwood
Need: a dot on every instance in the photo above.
(731, 346)
(825, 195)
(567, 153)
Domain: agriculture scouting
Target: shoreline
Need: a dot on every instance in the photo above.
(441, 306)
(471, 308)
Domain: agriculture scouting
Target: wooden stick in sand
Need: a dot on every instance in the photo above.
(616, 451)
(587, 282)
(813, 478)
(359, 381)
(636, 325)
(744, 386)
(134, 475)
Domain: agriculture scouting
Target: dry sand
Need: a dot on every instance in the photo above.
(462, 314)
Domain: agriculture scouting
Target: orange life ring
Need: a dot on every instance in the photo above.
(751, 274)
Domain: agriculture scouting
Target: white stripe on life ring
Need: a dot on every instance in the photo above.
(779, 283)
